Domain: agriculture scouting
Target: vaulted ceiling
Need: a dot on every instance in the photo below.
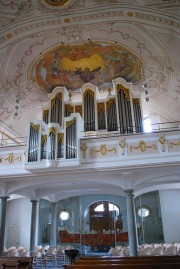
(45, 43)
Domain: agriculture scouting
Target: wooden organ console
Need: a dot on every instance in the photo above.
(58, 135)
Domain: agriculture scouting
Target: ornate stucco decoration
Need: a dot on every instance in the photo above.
(83, 149)
(143, 146)
(11, 158)
(162, 141)
(103, 150)
(122, 145)
(172, 144)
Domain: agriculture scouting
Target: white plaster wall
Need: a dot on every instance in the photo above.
(18, 218)
(170, 210)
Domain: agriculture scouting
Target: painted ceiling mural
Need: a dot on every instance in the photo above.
(56, 3)
(71, 66)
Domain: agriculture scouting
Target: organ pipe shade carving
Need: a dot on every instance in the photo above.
(78, 109)
(125, 91)
(68, 110)
(43, 146)
(111, 115)
(46, 116)
(124, 110)
(60, 148)
(137, 115)
(56, 109)
(34, 137)
(89, 110)
(71, 139)
(101, 116)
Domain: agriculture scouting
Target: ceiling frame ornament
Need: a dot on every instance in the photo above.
(57, 4)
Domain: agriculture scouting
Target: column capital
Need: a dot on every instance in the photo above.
(129, 191)
(34, 201)
(4, 197)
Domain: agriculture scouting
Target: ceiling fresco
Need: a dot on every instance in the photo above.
(56, 3)
(71, 66)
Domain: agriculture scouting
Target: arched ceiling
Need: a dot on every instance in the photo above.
(44, 43)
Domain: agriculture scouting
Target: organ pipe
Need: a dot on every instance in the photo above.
(43, 146)
(52, 143)
(101, 116)
(89, 111)
(71, 146)
(60, 150)
(33, 143)
(137, 115)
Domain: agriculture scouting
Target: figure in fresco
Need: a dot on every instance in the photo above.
(55, 65)
(87, 75)
(98, 63)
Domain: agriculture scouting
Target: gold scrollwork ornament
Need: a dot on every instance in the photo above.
(162, 141)
(103, 150)
(143, 146)
(10, 158)
(122, 145)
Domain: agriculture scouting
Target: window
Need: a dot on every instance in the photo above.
(143, 212)
(147, 125)
(64, 215)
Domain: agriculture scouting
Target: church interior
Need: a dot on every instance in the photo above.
(89, 126)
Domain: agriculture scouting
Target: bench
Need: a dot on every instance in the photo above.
(147, 262)
(16, 262)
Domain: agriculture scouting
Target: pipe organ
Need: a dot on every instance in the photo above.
(63, 122)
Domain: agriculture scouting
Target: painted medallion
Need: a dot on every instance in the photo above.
(72, 66)
(56, 3)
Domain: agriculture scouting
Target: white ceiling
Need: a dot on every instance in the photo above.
(31, 28)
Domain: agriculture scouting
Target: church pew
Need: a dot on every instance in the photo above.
(125, 266)
(19, 262)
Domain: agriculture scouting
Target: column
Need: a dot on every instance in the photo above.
(131, 220)
(33, 225)
(54, 224)
(3, 222)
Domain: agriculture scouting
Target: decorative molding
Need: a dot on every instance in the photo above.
(122, 145)
(171, 144)
(142, 146)
(103, 150)
(162, 141)
(10, 158)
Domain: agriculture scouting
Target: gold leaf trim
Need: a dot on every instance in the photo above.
(110, 102)
(122, 145)
(171, 144)
(10, 158)
(103, 150)
(136, 101)
(52, 130)
(43, 139)
(61, 137)
(143, 146)
(162, 141)
(88, 91)
(58, 96)
(35, 126)
(78, 109)
(45, 112)
(69, 107)
(125, 90)
(83, 147)
(100, 107)
(69, 123)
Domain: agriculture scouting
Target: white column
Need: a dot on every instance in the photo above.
(3, 222)
(131, 220)
(33, 225)
(54, 224)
